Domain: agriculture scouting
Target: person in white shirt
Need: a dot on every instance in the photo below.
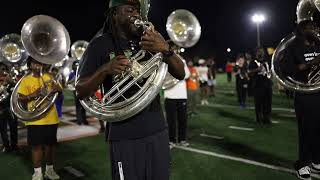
(176, 110)
(203, 76)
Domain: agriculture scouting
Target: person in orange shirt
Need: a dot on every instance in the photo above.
(42, 132)
(192, 86)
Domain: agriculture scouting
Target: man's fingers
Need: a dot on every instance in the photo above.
(146, 43)
(147, 38)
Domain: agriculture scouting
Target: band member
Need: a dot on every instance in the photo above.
(212, 76)
(248, 59)
(176, 110)
(193, 84)
(42, 133)
(203, 71)
(80, 111)
(259, 69)
(139, 146)
(242, 78)
(302, 53)
(6, 117)
(229, 70)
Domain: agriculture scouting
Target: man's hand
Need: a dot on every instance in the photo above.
(153, 41)
(117, 65)
(56, 88)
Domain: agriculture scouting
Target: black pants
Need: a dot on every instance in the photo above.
(80, 111)
(176, 111)
(229, 76)
(250, 88)
(308, 117)
(5, 119)
(242, 90)
(141, 159)
(262, 102)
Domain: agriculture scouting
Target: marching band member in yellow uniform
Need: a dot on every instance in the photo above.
(42, 133)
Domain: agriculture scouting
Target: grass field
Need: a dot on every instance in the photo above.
(274, 144)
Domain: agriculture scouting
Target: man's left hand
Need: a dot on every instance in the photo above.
(56, 88)
(153, 41)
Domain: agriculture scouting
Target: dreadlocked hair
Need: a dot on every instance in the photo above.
(110, 27)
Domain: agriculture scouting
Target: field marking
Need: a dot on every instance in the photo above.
(250, 107)
(74, 171)
(275, 122)
(211, 136)
(241, 128)
(242, 160)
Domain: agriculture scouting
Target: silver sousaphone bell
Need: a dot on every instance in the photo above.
(184, 30)
(77, 50)
(13, 54)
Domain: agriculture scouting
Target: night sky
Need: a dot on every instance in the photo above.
(224, 24)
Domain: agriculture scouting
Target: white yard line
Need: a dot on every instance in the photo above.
(241, 128)
(250, 107)
(242, 160)
(211, 136)
(74, 171)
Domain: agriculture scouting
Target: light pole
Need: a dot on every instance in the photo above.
(258, 19)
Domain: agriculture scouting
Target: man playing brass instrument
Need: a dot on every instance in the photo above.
(301, 55)
(42, 133)
(262, 86)
(139, 146)
(242, 78)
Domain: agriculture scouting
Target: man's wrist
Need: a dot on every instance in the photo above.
(168, 53)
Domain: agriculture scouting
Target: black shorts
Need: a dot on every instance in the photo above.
(144, 158)
(42, 134)
(204, 84)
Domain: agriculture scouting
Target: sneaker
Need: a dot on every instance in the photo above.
(304, 173)
(202, 102)
(315, 168)
(37, 176)
(6, 149)
(51, 174)
(172, 145)
(184, 143)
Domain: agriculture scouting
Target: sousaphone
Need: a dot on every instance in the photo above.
(47, 41)
(305, 11)
(184, 30)
(12, 53)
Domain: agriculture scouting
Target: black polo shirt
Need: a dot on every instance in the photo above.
(150, 120)
(297, 53)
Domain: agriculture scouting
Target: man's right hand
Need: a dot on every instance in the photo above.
(117, 65)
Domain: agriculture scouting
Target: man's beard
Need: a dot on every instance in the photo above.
(135, 32)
